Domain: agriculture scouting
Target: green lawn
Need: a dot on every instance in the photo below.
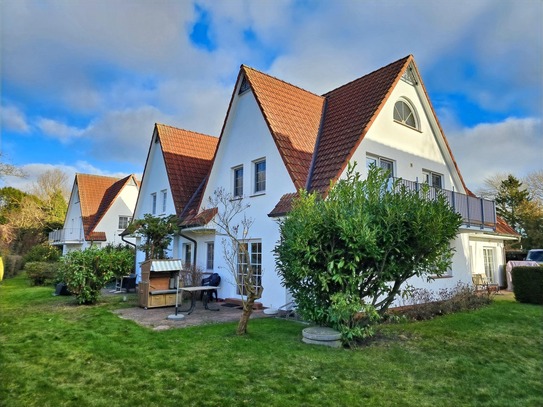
(55, 353)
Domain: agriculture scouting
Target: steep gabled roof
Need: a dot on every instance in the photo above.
(96, 195)
(350, 111)
(293, 116)
(188, 157)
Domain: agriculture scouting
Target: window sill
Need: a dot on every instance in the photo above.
(257, 194)
(409, 127)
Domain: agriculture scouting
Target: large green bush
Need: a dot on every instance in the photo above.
(528, 284)
(41, 272)
(87, 272)
(355, 249)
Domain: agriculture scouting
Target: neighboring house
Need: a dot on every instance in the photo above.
(278, 138)
(173, 179)
(100, 208)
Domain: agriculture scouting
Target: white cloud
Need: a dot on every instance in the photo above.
(513, 146)
(14, 119)
(58, 130)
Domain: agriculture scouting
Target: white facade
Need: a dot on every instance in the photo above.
(73, 233)
(416, 154)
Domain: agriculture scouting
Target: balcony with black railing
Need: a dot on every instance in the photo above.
(477, 213)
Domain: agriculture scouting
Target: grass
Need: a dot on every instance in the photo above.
(56, 353)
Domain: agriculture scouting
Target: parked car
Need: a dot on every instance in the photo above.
(535, 255)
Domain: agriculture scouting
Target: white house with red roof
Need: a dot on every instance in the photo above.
(278, 138)
(99, 209)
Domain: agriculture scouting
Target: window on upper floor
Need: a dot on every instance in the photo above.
(405, 114)
(238, 181)
(153, 203)
(260, 176)
(124, 221)
(380, 162)
(164, 194)
(433, 179)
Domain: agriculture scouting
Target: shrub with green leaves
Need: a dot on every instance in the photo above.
(87, 272)
(42, 253)
(528, 284)
(41, 272)
(364, 241)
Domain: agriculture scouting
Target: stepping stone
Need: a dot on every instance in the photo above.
(322, 336)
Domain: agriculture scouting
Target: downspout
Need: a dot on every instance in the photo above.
(317, 142)
(195, 246)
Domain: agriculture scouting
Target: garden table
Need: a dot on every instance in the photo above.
(193, 291)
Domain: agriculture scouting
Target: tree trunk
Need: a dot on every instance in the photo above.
(245, 315)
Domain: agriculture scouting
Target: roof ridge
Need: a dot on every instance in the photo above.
(190, 131)
(280, 80)
(100, 176)
(368, 74)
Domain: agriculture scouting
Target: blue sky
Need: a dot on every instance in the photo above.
(83, 82)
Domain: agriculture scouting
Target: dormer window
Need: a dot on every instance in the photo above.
(405, 114)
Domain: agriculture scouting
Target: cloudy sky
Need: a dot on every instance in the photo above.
(83, 82)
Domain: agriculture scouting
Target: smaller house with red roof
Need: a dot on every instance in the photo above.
(99, 209)
(278, 138)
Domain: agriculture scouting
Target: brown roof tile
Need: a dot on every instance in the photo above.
(293, 116)
(503, 228)
(188, 157)
(350, 111)
(96, 195)
(283, 206)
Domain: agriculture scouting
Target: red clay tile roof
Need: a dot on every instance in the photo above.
(200, 219)
(503, 228)
(283, 206)
(96, 195)
(188, 157)
(350, 111)
(293, 116)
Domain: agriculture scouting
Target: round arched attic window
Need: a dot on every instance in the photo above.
(405, 114)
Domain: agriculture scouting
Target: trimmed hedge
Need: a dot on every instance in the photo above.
(528, 284)
(41, 272)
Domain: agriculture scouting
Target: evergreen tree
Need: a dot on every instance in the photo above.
(510, 198)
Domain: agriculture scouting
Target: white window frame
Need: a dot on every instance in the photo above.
(187, 254)
(125, 219)
(259, 184)
(164, 194)
(254, 249)
(210, 255)
(429, 178)
(490, 263)
(399, 116)
(237, 190)
(380, 163)
(153, 203)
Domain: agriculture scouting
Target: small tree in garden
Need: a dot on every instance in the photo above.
(234, 226)
(345, 258)
(157, 233)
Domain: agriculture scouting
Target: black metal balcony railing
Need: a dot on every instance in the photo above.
(62, 236)
(476, 212)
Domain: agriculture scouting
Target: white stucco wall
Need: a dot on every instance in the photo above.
(247, 138)
(155, 180)
(123, 205)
